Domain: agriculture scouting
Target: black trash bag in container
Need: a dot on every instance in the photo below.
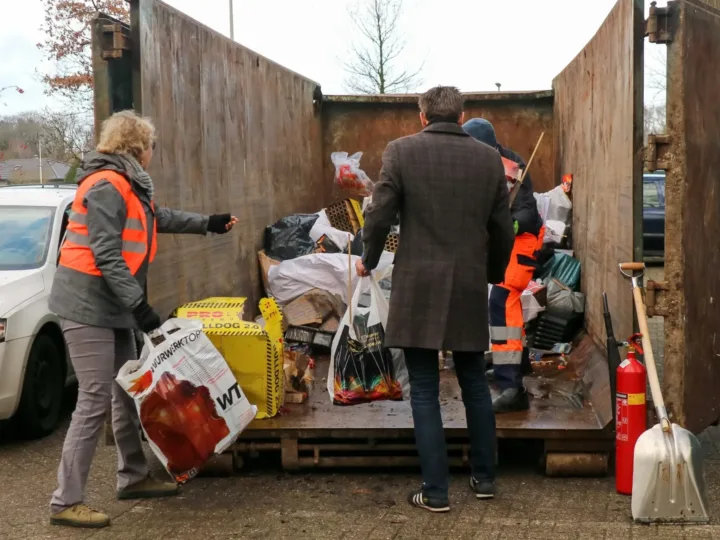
(289, 238)
(356, 247)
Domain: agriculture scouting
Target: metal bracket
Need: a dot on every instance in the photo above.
(656, 153)
(654, 297)
(116, 40)
(657, 26)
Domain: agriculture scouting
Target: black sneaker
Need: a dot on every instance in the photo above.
(511, 400)
(416, 498)
(483, 489)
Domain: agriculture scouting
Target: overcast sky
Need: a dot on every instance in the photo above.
(472, 44)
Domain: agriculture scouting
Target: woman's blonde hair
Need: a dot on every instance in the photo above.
(126, 132)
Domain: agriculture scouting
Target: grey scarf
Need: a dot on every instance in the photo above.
(137, 173)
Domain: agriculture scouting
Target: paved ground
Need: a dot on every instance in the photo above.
(272, 505)
(267, 504)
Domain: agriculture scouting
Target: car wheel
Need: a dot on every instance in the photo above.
(42, 393)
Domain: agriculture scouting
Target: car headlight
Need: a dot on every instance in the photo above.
(3, 327)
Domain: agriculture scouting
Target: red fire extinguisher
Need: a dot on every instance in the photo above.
(631, 414)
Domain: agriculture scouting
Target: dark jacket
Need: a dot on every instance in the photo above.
(108, 300)
(456, 236)
(524, 208)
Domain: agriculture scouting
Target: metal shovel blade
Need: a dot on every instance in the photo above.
(668, 479)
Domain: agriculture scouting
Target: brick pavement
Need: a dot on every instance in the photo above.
(269, 504)
(272, 505)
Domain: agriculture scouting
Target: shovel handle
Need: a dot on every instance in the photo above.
(655, 390)
(632, 266)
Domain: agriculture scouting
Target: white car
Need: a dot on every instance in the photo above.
(34, 363)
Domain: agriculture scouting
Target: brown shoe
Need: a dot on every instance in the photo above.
(81, 516)
(148, 488)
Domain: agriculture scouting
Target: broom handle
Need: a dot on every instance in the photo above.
(516, 187)
(350, 291)
(532, 156)
(655, 390)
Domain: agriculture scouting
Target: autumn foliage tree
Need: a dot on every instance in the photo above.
(68, 37)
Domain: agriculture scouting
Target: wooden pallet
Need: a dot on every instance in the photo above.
(575, 432)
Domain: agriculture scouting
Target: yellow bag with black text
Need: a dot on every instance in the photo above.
(254, 353)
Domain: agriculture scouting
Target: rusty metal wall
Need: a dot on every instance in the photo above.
(692, 250)
(598, 129)
(369, 123)
(236, 133)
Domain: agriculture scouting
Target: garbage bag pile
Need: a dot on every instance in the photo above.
(553, 307)
(308, 267)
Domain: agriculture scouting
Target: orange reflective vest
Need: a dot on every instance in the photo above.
(76, 253)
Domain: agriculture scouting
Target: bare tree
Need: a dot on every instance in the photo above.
(653, 120)
(373, 68)
(656, 71)
(65, 136)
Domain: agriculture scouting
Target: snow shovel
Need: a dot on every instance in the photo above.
(668, 479)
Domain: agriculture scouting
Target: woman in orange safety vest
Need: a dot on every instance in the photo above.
(99, 294)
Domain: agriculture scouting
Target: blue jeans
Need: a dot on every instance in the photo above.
(424, 374)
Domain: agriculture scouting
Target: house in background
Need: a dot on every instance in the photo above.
(27, 171)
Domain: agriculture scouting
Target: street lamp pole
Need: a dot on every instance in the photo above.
(40, 153)
(232, 21)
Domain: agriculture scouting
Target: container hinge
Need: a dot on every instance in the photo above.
(655, 298)
(657, 153)
(657, 26)
(116, 40)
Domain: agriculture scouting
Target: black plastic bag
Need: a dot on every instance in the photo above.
(289, 238)
(356, 246)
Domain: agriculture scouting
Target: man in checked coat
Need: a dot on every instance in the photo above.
(456, 237)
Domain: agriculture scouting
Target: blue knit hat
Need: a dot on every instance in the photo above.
(481, 130)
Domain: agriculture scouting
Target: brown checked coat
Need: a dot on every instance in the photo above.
(456, 235)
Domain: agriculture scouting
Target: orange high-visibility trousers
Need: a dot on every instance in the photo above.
(507, 329)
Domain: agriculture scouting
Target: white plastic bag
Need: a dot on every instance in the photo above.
(189, 402)
(362, 369)
(554, 231)
(322, 227)
(348, 174)
(554, 205)
(327, 271)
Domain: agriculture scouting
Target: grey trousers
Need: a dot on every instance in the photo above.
(96, 355)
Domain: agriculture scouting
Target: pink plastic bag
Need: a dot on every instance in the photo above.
(348, 174)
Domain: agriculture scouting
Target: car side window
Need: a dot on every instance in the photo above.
(651, 197)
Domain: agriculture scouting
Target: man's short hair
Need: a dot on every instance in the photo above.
(442, 104)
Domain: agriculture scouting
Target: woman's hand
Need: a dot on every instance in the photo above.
(233, 221)
(221, 223)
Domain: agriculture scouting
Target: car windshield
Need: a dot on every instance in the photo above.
(24, 236)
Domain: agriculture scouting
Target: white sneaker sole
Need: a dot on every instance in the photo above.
(417, 501)
(482, 496)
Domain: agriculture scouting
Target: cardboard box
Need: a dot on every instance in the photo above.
(313, 308)
(265, 264)
(254, 354)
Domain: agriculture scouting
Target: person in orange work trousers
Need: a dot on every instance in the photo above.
(510, 355)
(99, 294)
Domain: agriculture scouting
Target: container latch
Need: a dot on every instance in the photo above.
(658, 25)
